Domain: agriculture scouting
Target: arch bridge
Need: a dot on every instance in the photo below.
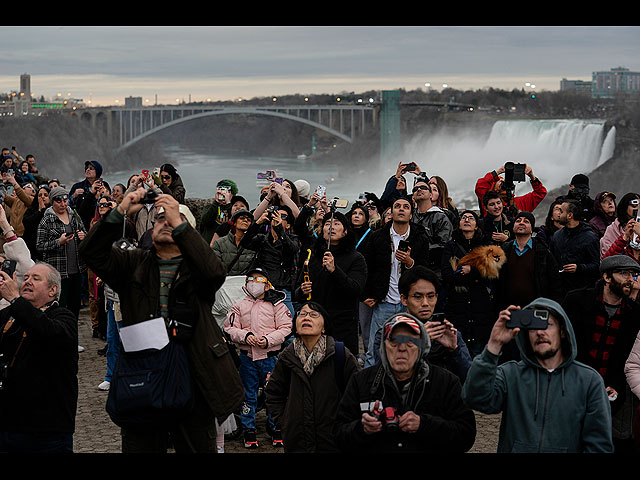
(128, 125)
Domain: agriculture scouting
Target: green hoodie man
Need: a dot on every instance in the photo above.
(549, 401)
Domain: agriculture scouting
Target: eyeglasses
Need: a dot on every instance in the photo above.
(62, 198)
(105, 204)
(257, 279)
(467, 218)
(419, 296)
(309, 313)
(626, 273)
(165, 177)
(409, 342)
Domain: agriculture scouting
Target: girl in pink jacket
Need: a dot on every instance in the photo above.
(258, 324)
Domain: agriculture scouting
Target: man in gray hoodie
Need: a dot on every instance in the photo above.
(549, 401)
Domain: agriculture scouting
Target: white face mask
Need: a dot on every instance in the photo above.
(255, 289)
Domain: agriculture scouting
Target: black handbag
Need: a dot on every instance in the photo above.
(151, 387)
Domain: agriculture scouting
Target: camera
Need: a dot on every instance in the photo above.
(513, 172)
(409, 167)
(529, 319)
(124, 244)
(388, 417)
(149, 197)
(270, 211)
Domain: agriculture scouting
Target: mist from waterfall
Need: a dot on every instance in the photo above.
(555, 149)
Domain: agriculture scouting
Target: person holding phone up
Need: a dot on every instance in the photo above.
(59, 234)
(549, 401)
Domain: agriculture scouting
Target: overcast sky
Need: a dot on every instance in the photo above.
(106, 64)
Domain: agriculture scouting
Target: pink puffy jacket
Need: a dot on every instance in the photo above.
(269, 318)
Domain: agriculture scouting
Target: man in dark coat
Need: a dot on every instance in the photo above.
(404, 403)
(606, 322)
(176, 280)
(386, 260)
(39, 361)
(576, 249)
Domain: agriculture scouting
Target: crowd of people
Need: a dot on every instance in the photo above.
(379, 326)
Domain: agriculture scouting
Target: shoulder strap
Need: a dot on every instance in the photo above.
(338, 363)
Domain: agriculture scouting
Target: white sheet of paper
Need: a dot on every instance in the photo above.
(143, 335)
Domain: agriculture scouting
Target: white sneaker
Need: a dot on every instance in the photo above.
(80, 348)
(104, 385)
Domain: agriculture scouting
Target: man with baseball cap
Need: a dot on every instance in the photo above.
(404, 403)
(606, 323)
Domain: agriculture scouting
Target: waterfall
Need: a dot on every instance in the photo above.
(555, 149)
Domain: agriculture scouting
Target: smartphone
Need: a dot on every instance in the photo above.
(321, 190)
(156, 171)
(8, 267)
(10, 171)
(403, 246)
(437, 317)
(529, 319)
(339, 203)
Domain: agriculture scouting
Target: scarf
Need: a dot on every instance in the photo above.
(311, 359)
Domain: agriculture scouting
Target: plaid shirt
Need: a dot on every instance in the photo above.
(47, 242)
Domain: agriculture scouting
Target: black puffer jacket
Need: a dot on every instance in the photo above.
(338, 291)
(581, 246)
(304, 407)
(471, 302)
(276, 257)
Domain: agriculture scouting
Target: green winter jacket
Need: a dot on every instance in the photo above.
(564, 411)
(227, 250)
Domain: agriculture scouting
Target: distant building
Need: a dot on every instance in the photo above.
(576, 86)
(133, 102)
(605, 84)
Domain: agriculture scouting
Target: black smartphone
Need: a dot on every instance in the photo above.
(529, 319)
(437, 317)
(8, 267)
(403, 245)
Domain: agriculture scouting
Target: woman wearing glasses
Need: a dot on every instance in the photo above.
(171, 182)
(307, 382)
(59, 233)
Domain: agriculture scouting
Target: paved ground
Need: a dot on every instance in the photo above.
(96, 433)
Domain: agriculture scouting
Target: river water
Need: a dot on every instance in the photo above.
(556, 149)
(200, 172)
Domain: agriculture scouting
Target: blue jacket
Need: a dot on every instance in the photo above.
(564, 411)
